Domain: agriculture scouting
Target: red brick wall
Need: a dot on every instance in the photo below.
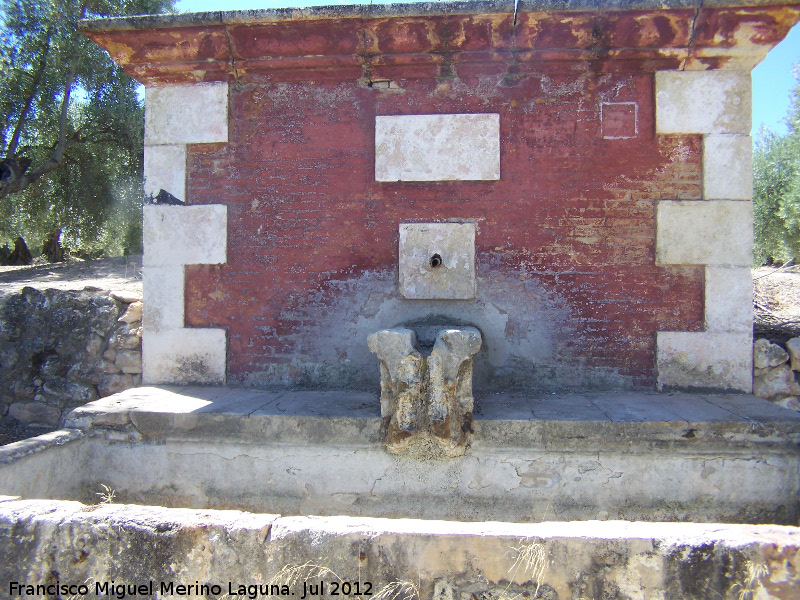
(564, 251)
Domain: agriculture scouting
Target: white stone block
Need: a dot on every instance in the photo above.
(767, 355)
(705, 360)
(185, 235)
(729, 299)
(186, 114)
(437, 147)
(437, 261)
(704, 232)
(184, 356)
(727, 167)
(163, 298)
(703, 101)
(793, 348)
(165, 169)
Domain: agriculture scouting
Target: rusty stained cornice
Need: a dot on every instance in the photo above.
(417, 40)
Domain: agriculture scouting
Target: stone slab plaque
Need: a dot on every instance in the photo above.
(185, 235)
(704, 232)
(437, 261)
(437, 147)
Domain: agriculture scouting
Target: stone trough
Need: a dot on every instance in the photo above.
(151, 552)
(631, 455)
(185, 461)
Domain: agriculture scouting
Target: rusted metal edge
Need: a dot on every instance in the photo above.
(418, 9)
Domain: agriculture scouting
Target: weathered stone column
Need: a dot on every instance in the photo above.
(426, 404)
(402, 384)
(450, 387)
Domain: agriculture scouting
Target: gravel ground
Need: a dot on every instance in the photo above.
(776, 294)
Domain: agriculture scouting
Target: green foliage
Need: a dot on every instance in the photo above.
(72, 127)
(776, 190)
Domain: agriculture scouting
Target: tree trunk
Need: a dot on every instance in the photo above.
(52, 247)
(21, 255)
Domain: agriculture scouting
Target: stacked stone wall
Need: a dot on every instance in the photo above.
(60, 349)
(775, 372)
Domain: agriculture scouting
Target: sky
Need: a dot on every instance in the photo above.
(773, 79)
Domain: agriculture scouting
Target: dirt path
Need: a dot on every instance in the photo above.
(121, 273)
(776, 295)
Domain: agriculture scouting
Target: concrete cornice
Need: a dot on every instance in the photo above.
(417, 9)
(414, 40)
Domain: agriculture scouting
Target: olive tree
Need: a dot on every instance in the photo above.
(72, 126)
(776, 190)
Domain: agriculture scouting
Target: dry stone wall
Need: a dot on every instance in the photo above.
(775, 369)
(60, 349)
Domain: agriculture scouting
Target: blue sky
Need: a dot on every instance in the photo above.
(772, 79)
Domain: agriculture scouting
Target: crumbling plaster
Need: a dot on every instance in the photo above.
(523, 325)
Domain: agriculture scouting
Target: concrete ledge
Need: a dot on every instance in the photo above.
(434, 559)
(634, 456)
(703, 102)
(47, 466)
(12, 452)
(646, 420)
(705, 360)
(186, 114)
(704, 232)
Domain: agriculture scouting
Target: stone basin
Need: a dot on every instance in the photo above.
(621, 455)
(554, 481)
